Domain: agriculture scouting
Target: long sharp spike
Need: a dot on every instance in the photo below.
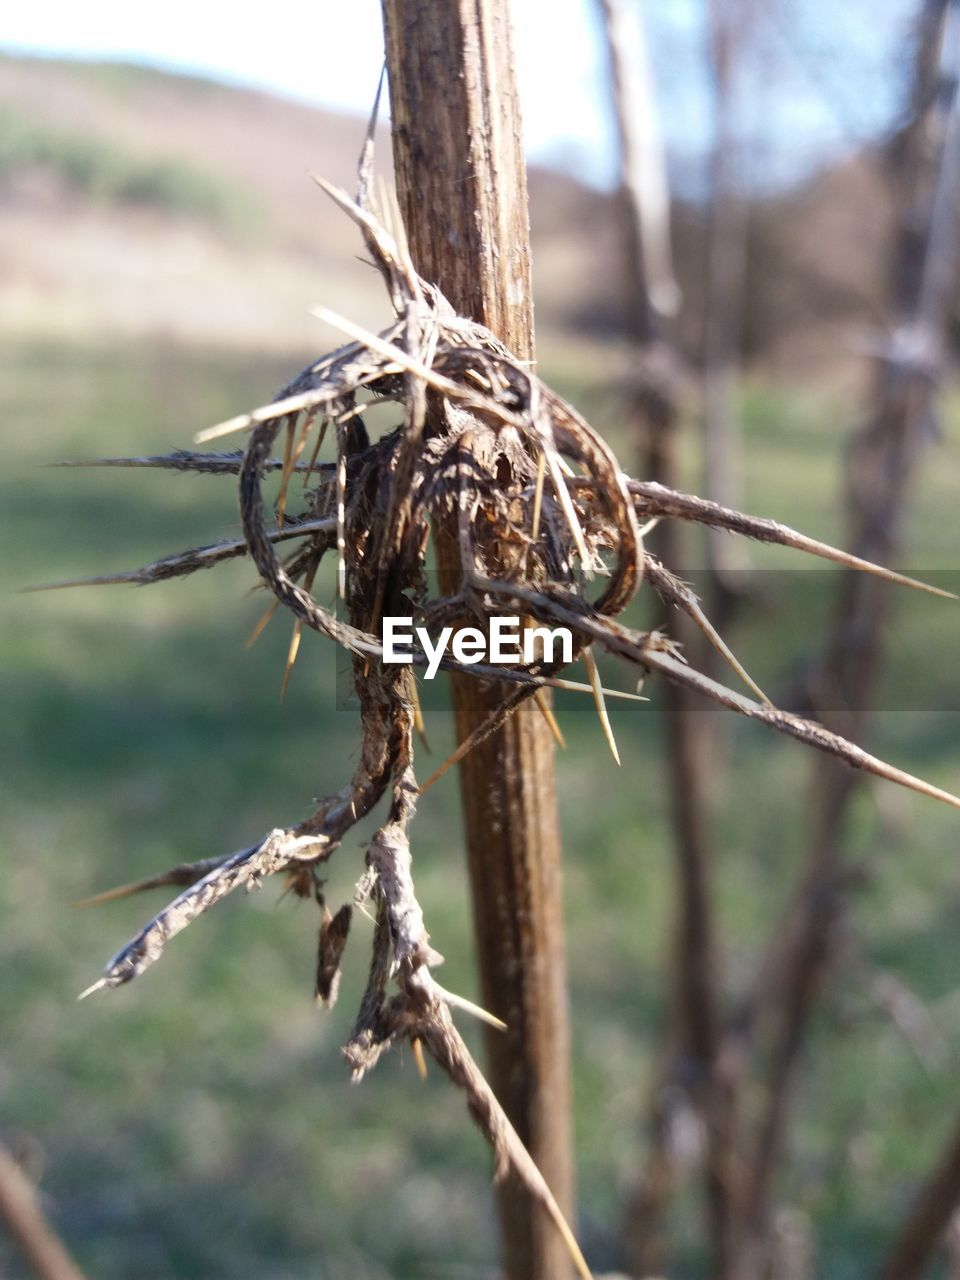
(685, 506)
(416, 1045)
(186, 873)
(316, 449)
(419, 724)
(291, 657)
(807, 731)
(545, 709)
(92, 989)
(186, 562)
(672, 589)
(475, 1010)
(341, 515)
(267, 413)
(297, 635)
(538, 496)
(287, 465)
(590, 663)
(261, 624)
(576, 686)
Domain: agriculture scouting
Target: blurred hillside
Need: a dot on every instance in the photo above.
(134, 202)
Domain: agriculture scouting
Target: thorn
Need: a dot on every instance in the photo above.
(538, 495)
(291, 657)
(386, 349)
(416, 1044)
(297, 633)
(353, 210)
(185, 562)
(295, 463)
(795, 726)
(576, 686)
(570, 1240)
(365, 167)
(110, 895)
(455, 758)
(590, 663)
(891, 575)
(687, 601)
(185, 874)
(728, 655)
(418, 721)
(461, 1002)
(477, 735)
(553, 461)
(261, 626)
(105, 580)
(480, 733)
(287, 465)
(686, 507)
(316, 449)
(93, 988)
(265, 413)
(243, 422)
(404, 362)
(384, 209)
(349, 416)
(341, 517)
(547, 712)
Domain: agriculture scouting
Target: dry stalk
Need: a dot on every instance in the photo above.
(566, 514)
(23, 1216)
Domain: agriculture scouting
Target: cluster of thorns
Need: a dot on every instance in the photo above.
(540, 513)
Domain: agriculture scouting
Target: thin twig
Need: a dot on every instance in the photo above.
(186, 562)
(21, 1213)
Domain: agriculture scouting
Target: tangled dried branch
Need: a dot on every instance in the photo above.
(486, 448)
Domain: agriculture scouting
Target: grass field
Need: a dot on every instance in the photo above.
(200, 1123)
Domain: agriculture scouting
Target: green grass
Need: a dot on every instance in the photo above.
(101, 170)
(200, 1122)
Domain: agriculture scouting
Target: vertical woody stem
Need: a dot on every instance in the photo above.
(461, 185)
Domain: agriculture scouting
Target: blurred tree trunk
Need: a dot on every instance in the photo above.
(880, 463)
(723, 301)
(686, 1077)
(922, 1233)
(643, 194)
(23, 1217)
(461, 184)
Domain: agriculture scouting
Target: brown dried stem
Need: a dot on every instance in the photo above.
(489, 410)
(23, 1217)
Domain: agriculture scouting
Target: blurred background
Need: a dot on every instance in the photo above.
(160, 247)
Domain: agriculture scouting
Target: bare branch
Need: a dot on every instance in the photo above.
(922, 1233)
(677, 593)
(21, 1213)
(186, 562)
(213, 464)
(655, 500)
(452, 1055)
(243, 869)
(468, 462)
(186, 873)
(649, 650)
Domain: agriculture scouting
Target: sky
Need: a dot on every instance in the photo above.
(822, 76)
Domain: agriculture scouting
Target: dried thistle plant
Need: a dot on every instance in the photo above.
(487, 450)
